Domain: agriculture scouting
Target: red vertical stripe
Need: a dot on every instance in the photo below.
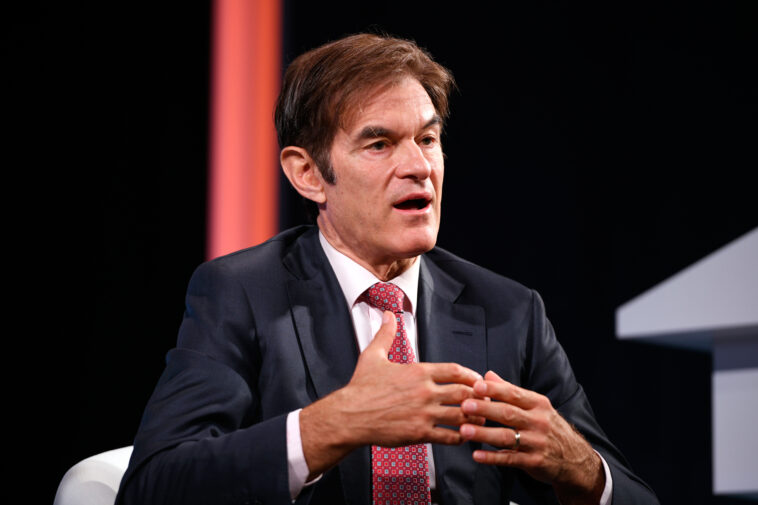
(244, 162)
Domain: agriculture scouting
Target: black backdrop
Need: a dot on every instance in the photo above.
(592, 153)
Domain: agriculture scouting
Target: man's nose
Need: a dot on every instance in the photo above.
(412, 162)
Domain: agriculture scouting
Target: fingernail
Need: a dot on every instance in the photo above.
(467, 431)
(480, 388)
(387, 317)
(468, 406)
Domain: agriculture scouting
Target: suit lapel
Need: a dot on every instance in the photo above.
(450, 332)
(327, 340)
(322, 321)
(325, 332)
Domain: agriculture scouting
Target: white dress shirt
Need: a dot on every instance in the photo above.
(354, 281)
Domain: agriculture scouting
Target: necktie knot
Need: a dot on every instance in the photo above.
(385, 296)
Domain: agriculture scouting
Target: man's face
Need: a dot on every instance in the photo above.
(388, 163)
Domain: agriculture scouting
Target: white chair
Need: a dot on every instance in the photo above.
(95, 480)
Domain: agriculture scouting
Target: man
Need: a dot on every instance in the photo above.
(354, 362)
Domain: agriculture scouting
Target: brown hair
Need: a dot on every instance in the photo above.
(322, 87)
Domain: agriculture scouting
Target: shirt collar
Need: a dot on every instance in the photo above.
(354, 279)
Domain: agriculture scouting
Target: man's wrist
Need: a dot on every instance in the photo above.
(588, 489)
(323, 434)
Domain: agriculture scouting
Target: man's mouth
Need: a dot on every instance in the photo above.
(413, 202)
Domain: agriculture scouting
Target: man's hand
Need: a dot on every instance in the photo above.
(387, 404)
(549, 449)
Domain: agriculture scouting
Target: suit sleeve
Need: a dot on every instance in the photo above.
(202, 438)
(547, 371)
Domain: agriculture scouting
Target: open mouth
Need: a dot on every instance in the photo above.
(413, 204)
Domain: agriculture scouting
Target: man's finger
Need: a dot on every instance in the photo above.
(500, 412)
(446, 436)
(515, 459)
(453, 393)
(504, 438)
(443, 373)
(498, 389)
(382, 341)
(446, 415)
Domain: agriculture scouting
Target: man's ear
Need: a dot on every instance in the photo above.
(303, 173)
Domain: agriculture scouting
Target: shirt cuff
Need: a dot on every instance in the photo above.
(605, 498)
(296, 465)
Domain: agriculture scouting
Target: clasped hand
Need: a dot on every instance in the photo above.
(391, 404)
(549, 448)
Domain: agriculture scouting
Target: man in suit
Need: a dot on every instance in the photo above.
(354, 362)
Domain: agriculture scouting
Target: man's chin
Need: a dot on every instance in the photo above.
(414, 246)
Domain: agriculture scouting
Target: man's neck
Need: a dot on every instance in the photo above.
(394, 269)
(383, 269)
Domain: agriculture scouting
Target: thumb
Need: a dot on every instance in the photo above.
(383, 339)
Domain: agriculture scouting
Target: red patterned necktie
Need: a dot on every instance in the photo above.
(400, 475)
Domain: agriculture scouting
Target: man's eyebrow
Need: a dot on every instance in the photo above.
(372, 132)
(436, 120)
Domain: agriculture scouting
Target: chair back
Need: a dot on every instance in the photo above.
(95, 480)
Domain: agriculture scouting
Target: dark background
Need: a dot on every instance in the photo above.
(593, 152)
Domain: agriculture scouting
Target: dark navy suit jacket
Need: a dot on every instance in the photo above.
(260, 338)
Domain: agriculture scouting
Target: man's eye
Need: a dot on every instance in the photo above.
(428, 141)
(378, 146)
